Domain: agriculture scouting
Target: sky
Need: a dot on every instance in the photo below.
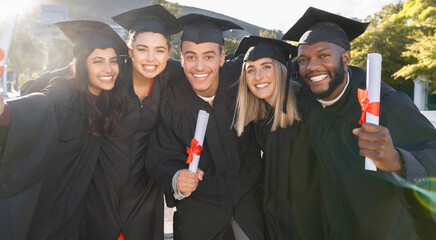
(282, 14)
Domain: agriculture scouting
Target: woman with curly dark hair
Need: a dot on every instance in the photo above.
(52, 139)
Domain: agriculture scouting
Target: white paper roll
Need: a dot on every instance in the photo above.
(373, 82)
(200, 131)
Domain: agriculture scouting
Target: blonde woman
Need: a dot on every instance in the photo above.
(289, 186)
(262, 87)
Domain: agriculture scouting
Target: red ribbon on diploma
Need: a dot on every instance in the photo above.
(372, 108)
(195, 148)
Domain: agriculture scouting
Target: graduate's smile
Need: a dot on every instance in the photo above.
(261, 78)
(201, 64)
(103, 69)
(201, 77)
(262, 85)
(149, 67)
(107, 79)
(322, 67)
(318, 78)
(149, 53)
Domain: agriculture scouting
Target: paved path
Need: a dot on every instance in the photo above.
(431, 115)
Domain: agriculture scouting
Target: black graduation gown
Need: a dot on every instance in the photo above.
(46, 167)
(122, 197)
(291, 197)
(42, 81)
(362, 204)
(231, 165)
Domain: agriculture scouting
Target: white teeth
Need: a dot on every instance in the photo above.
(150, 67)
(318, 78)
(105, 78)
(262, 85)
(201, 75)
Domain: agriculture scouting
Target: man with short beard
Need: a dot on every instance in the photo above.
(360, 204)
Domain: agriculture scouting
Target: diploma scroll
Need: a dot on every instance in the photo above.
(373, 82)
(200, 131)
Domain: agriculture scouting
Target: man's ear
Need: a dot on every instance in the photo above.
(182, 60)
(346, 58)
(222, 58)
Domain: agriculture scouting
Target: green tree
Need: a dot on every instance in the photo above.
(230, 45)
(173, 8)
(267, 34)
(27, 55)
(420, 16)
(385, 36)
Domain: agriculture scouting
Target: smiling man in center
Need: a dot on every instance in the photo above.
(220, 201)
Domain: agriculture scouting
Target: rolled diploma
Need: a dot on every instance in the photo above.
(200, 131)
(373, 82)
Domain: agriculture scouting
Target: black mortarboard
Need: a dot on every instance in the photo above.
(154, 18)
(256, 47)
(88, 34)
(320, 26)
(200, 28)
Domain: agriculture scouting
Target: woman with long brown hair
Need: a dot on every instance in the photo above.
(52, 138)
(123, 202)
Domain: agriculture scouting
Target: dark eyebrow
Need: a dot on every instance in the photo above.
(322, 49)
(190, 52)
(208, 52)
(318, 51)
(96, 57)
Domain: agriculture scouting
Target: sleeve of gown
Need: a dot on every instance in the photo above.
(415, 138)
(42, 81)
(412, 134)
(165, 154)
(174, 68)
(233, 67)
(31, 140)
(172, 72)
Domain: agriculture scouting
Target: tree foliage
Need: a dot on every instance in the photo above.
(27, 54)
(383, 36)
(267, 34)
(230, 45)
(404, 33)
(420, 16)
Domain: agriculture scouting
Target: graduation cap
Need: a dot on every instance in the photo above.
(320, 26)
(154, 18)
(200, 28)
(256, 47)
(88, 34)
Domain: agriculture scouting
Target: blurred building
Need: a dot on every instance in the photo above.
(47, 31)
